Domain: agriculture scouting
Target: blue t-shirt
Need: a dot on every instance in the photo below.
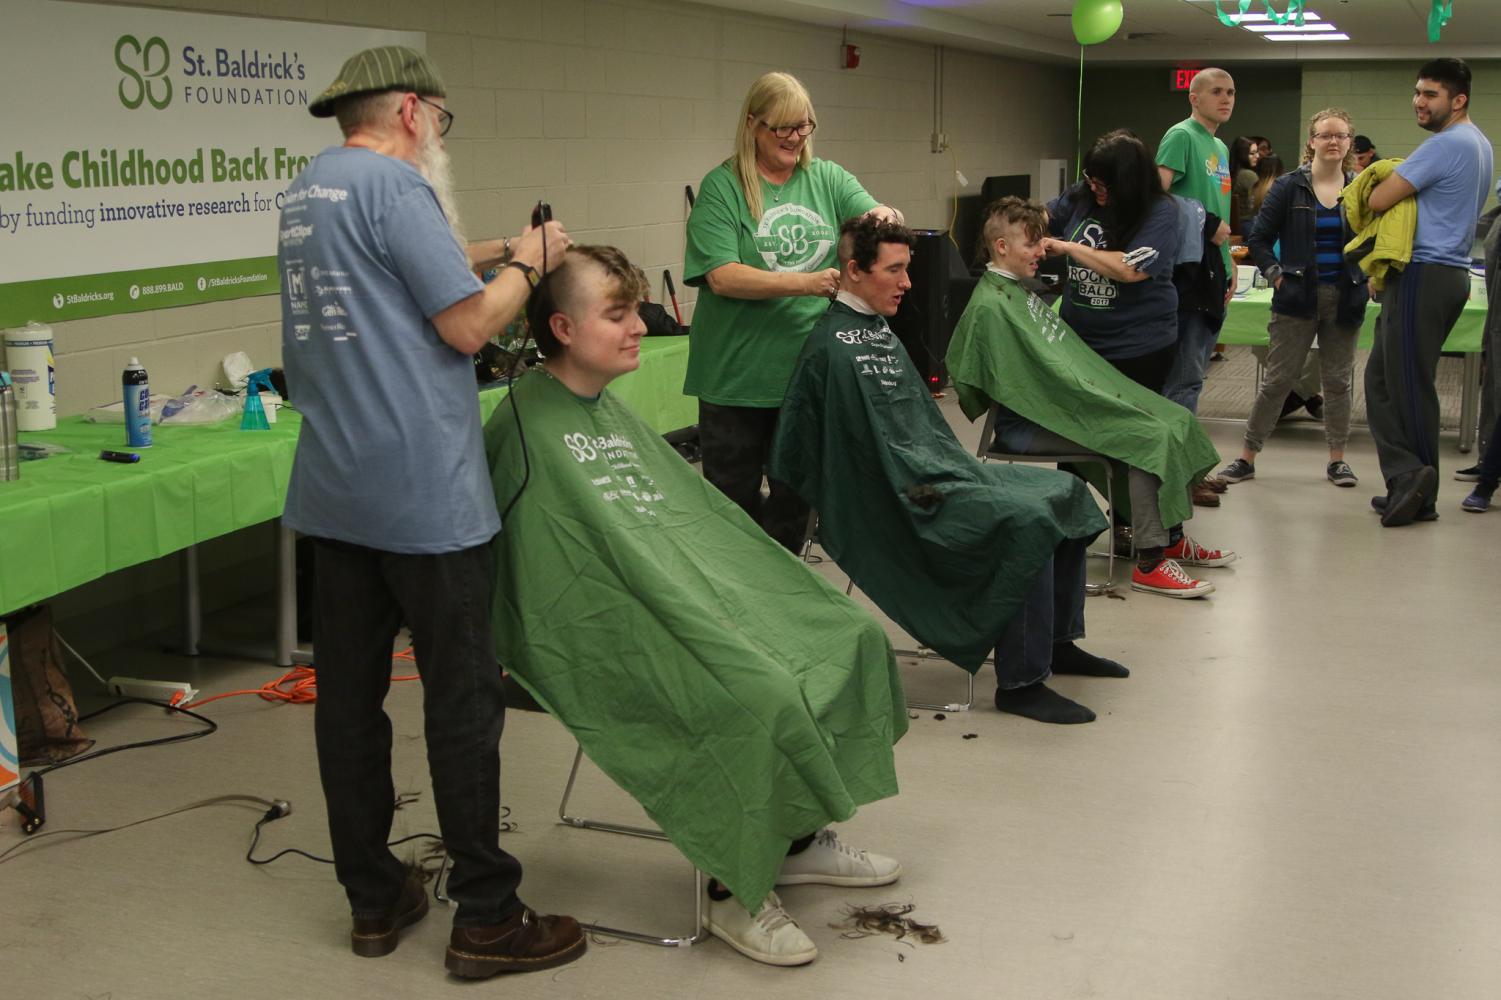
(391, 454)
(1120, 319)
(1451, 171)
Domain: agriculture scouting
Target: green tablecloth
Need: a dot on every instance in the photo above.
(73, 518)
(1246, 321)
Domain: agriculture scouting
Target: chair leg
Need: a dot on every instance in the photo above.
(1108, 587)
(650, 833)
(953, 706)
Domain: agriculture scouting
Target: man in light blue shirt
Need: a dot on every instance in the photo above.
(1450, 176)
(380, 315)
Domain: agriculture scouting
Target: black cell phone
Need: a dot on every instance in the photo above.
(541, 214)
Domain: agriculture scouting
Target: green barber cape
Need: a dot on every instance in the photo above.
(742, 700)
(946, 546)
(1011, 348)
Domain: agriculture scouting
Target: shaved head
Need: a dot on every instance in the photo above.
(1204, 77)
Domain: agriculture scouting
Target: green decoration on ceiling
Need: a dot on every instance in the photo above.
(1438, 17)
(1294, 12)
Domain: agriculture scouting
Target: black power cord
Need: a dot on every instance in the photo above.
(541, 216)
(209, 728)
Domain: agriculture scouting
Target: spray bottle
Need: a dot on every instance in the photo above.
(137, 406)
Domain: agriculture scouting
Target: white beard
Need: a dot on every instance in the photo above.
(434, 164)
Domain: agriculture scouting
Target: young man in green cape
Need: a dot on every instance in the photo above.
(1055, 394)
(742, 700)
(964, 556)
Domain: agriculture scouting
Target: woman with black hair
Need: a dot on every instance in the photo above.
(1244, 154)
(1120, 232)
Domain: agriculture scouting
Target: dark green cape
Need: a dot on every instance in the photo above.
(946, 546)
(1011, 348)
(738, 697)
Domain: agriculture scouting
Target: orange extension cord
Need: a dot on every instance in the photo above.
(298, 686)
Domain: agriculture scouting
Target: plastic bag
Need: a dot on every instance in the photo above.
(194, 406)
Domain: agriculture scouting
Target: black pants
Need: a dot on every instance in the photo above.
(1148, 370)
(1419, 306)
(363, 596)
(736, 443)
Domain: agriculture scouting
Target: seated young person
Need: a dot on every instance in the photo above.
(743, 701)
(964, 556)
(1058, 395)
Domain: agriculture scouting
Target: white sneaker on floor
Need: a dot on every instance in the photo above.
(829, 861)
(769, 935)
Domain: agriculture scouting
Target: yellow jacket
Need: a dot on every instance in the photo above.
(1382, 240)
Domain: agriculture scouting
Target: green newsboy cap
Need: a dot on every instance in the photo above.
(387, 67)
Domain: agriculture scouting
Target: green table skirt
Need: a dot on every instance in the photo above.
(1246, 322)
(73, 518)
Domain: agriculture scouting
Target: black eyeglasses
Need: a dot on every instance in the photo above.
(788, 131)
(445, 117)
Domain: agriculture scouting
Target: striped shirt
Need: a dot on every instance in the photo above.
(1329, 244)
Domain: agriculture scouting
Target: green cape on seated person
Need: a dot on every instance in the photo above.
(742, 700)
(1011, 348)
(946, 546)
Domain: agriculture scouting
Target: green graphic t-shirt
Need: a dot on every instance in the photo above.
(1201, 170)
(741, 351)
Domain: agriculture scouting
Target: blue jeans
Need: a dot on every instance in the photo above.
(1053, 612)
(1196, 338)
(363, 597)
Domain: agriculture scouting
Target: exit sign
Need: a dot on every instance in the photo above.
(1183, 77)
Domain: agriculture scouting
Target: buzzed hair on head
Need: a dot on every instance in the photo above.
(1011, 211)
(860, 240)
(559, 291)
(1202, 77)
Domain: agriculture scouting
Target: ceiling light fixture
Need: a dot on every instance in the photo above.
(1338, 36)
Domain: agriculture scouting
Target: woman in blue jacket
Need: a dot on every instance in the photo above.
(1317, 293)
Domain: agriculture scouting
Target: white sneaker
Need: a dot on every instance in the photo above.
(769, 935)
(828, 861)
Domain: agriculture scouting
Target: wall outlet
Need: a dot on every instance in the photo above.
(940, 142)
(131, 687)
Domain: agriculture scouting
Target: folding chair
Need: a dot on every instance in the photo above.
(519, 698)
(985, 452)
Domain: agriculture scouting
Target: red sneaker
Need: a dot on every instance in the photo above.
(1169, 580)
(1191, 553)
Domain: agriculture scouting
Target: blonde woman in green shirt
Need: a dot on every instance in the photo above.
(761, 250)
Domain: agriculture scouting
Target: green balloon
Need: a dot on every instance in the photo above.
(1096, 20)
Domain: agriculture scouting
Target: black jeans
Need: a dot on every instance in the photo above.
(363, 596)
(1052, 613)
(736, 444)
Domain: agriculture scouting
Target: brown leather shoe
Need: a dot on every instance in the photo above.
(524, 942)
(1217, 483)
(1203, 496)
(374, 937)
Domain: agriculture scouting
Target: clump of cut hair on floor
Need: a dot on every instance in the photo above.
(887, 918)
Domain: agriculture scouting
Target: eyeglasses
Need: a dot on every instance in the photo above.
(788, 131)
(445, 117)
(1333, 136)
(1092, 181)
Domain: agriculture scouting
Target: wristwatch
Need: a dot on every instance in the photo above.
(531, 272)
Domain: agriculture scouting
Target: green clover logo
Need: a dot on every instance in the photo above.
(142, 85)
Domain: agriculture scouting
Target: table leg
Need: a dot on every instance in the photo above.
(286, 594)
(192, 604)
(1469, 402)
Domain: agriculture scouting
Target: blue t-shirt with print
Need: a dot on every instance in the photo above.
(390, 455)
(1451, 171)
(1120, 319)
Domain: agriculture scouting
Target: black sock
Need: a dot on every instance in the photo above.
(1148, 558)
(1070, 659)
(717, 892)
(1037, 701)
(800, 845)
